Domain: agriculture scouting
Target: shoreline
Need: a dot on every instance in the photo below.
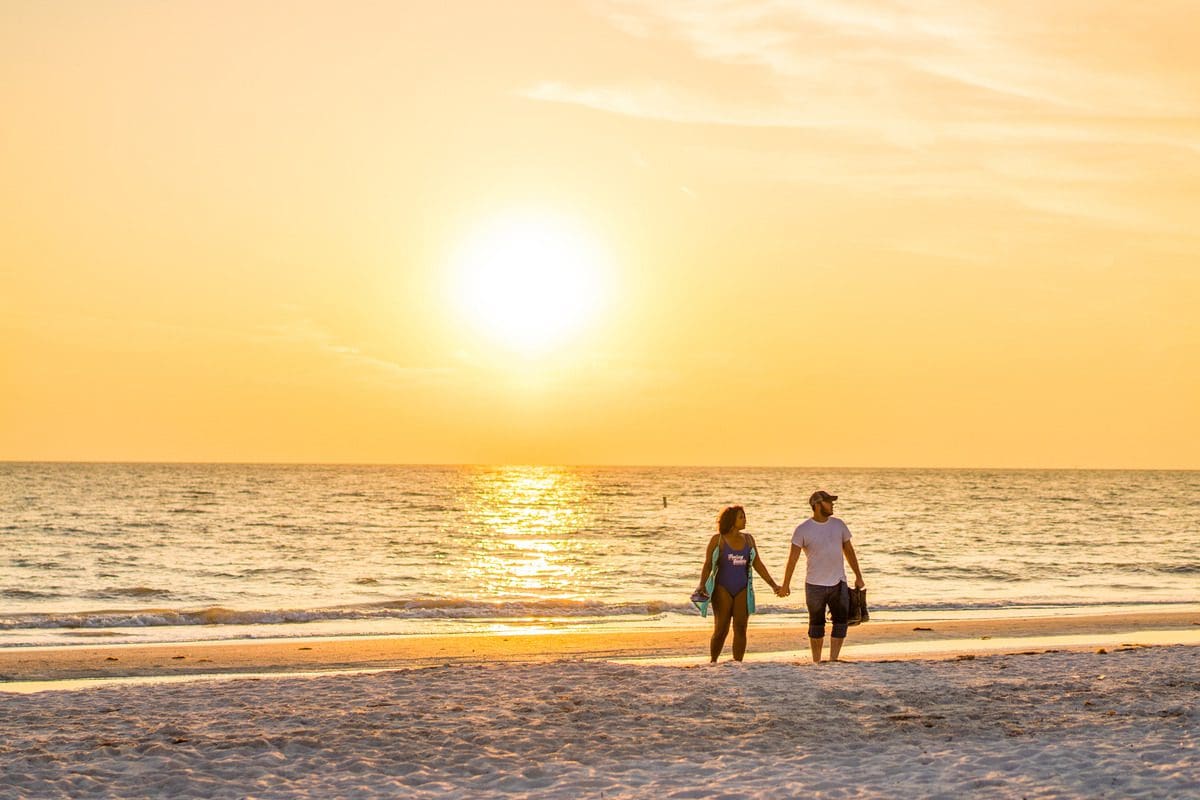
(872, 641)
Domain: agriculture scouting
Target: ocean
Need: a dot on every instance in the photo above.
(108, 553)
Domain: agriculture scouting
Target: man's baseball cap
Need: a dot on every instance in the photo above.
(819, 496)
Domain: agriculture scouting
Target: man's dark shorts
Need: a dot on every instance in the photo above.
(836, 599)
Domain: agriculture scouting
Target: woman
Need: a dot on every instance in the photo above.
(725, 581)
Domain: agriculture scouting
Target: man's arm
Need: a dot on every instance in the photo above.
(852, 559)
(793, 557)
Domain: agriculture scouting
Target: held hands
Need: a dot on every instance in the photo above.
(782, 591)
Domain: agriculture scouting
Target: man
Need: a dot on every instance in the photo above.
(824, 539)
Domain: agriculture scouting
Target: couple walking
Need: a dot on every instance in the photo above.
(725, 578)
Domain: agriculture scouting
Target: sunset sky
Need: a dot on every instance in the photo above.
(793, 233)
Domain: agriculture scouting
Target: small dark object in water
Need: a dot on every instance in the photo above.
(922, 629)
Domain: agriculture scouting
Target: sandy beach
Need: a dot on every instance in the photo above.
(587, 715)
(1061, 724)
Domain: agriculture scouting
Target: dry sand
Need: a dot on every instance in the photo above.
(1059, 724)
(559, 715)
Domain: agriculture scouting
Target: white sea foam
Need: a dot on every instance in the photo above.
(456, 609)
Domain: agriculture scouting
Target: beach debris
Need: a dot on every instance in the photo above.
(304, 648)
(1101, 652)
(922, 629)
(112, 658)
(985, 637)
(965, 657)
(176, 658)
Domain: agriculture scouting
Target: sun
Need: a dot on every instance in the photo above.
(530, 282)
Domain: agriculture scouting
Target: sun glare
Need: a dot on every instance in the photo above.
(530, 283)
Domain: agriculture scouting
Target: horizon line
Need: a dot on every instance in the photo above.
(119, 462)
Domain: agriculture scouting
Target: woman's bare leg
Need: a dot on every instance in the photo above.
(741, 620)
(722, 606)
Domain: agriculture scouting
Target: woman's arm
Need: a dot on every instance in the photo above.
(707, 568)
(761, 569)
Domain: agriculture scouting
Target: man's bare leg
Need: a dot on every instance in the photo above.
(835, 647)
(816, 645)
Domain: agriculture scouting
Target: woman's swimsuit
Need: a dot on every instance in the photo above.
(711, 584)
(734, 570)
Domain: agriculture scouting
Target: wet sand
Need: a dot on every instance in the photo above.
(873, 641)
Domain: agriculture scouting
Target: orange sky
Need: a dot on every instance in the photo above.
(860, 234)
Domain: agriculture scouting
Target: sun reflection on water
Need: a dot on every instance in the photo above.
(523, 525)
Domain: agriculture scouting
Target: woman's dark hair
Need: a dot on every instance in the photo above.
(727, 518)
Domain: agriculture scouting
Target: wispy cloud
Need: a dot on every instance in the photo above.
(666, 103)
(306, 333)
(1002, 59)
(1051, 108)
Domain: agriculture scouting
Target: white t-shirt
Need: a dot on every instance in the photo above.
(822, 544)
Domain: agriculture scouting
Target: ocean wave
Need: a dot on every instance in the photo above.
(27, 594)
(950, 572)
(276, 571)
(1017, 605)
(139, 592)
(1180, 569)
(467, 609)
(397, 609)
